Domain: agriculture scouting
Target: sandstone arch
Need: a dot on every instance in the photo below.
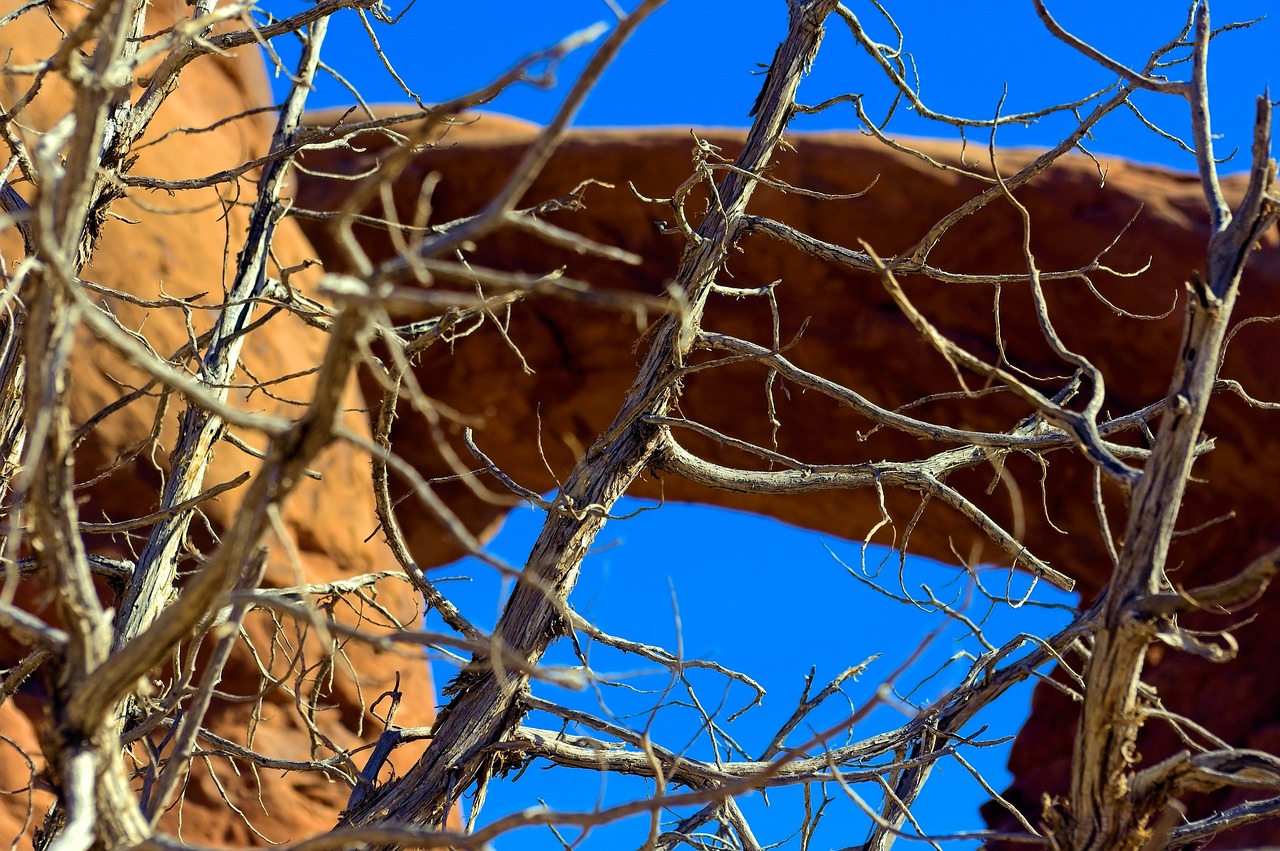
(583, 358)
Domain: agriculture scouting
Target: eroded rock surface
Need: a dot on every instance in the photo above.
(582, 359)
(178, 248)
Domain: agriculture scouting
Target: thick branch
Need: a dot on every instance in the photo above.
(485, 708)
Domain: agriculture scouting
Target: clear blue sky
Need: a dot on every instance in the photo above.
(692, 63)
(747, 592)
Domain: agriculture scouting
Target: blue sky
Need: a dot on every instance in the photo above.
(693, 62)
(771, 601)
(747, 592)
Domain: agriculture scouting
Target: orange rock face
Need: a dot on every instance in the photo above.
(844, 326)
(179, 247)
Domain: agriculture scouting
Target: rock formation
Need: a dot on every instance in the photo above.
(581, 358)
(844, 326)
(176, 246)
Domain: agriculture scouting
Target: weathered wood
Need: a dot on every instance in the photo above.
(485, 708)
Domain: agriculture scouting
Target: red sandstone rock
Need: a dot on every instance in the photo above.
(583, 359)
(178, 248)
